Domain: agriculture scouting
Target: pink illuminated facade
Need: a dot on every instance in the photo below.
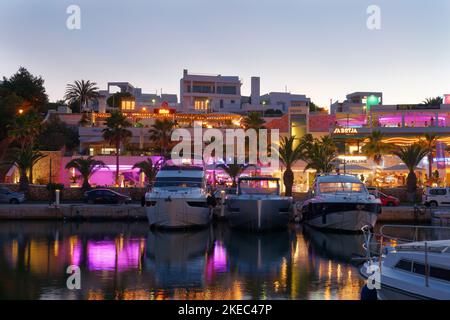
(129, 177)
(363, 113)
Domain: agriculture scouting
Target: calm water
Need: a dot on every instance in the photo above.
(128, 261)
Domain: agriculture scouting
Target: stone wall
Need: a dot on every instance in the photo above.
(40, 192)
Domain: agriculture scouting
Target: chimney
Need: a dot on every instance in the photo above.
(255, 91)
(185, 72)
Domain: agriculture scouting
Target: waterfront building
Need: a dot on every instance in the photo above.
(138, 101)
(222, 94)
(209, 93)
(363, 113)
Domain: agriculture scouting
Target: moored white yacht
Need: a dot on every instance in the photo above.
(258, 204)
(179, 198)
(340, 202)
(414, 270)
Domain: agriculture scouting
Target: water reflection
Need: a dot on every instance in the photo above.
(178, 259)
(127, 261)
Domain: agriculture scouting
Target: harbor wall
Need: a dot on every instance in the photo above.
(136, 212)
(40, 192)
(71, 212)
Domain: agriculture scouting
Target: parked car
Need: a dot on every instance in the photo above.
(387, 200)
(433, 197)
(106, 196)
(9, 196)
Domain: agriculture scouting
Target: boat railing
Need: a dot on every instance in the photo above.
(377, 244)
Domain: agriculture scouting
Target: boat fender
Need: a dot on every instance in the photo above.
(168, 199)
(368, 294)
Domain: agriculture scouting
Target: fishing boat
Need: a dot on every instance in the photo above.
(340, 202)
(258, 205)
(179, 198)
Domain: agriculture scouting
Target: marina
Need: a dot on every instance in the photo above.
(121, 260)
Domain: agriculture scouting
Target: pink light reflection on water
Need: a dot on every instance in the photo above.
(217, 262)
(104, 255)
(76, 254)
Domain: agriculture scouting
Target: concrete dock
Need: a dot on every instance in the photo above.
(81, 211)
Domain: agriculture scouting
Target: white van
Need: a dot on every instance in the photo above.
(434, 197)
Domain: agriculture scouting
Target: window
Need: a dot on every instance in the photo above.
(438, 192)
(419, 268)
(221, 104)
(203, 89)
(404, 265)
(335, 187)
(184, 182)
(127, 104)
(108, 151)
(226, 89)
(201, 104)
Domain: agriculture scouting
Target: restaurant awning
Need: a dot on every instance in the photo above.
(354, 167)
(400, 167)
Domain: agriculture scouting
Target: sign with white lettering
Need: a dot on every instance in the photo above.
(345, 130)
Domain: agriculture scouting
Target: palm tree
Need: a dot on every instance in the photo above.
(84, 121)
(116, 134)
(253, 120)
(86, 167)
(81, 92)
(149, 168)
(233, 170)
(375, 148)
(430, 141)
(411, 156)
(25, 159)
(319, 154)
(161, 136)
(25, 128)
(288, 155)
(436, 101)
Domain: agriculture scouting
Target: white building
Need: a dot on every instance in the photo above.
(356, 102)
(210, 93)
(142, 101)
(280, 101)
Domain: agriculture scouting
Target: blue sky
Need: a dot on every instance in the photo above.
(321, 48)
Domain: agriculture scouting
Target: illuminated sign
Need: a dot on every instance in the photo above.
(352, 159)
(345, 131)
(164, 111)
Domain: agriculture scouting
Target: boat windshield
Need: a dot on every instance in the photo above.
(266, 187)
(341, 187)
(182, 182)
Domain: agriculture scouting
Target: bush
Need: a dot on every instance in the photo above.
(55, 186)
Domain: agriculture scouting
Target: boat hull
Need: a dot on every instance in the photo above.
(177, 213)
(350, 217)
(258, 214)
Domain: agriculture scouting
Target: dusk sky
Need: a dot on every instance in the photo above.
(319, 48)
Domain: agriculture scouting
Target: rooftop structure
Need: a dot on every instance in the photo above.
(139, 101)
(210, 93)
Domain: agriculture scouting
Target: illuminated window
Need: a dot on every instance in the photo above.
(108, 150)
(127, 104)
(201, 104)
